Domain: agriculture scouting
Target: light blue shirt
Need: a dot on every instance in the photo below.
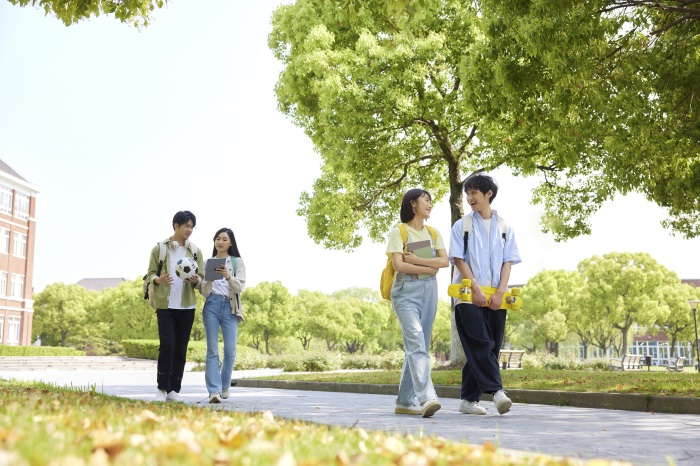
(487, 252)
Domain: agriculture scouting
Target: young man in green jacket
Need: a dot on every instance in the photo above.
(175, 304)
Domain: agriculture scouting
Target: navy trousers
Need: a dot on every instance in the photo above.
(481, 332)
(174, 327)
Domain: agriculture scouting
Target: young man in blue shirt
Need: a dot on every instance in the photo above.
(485, 257)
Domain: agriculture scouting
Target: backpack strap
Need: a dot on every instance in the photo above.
(234, 263)
(193, 248)
(404, 234)
(467, 224)
(161, 257)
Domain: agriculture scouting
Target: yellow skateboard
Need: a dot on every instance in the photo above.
(511, 299)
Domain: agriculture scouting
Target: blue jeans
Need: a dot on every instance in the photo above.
(217, 313)
(415, 305)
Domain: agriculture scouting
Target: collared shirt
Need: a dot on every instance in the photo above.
(488, 251)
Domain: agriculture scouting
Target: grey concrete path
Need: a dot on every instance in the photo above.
(583, 433)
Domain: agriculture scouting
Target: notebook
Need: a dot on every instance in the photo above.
(421, 249)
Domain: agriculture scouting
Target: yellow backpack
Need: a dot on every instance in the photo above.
(387, 279)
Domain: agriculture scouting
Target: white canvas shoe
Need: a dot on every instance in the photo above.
(174, 397)
(225, 393)
(502, 402)
(161, 395)
(471, 407)
(214, 398)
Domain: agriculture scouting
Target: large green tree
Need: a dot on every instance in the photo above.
(136, 12)
(61, 311)
(549, 298)
(268, 308)
(126, 314)
(623, 286)
(677, 322)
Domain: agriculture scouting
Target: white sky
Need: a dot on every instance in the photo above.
(121, 128)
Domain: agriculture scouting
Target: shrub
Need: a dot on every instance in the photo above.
(549, 361)
(148, 349)
(39, 351)
(393, 359)
(306, 362)
(362, 361)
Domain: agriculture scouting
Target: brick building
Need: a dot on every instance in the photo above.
(17, 237)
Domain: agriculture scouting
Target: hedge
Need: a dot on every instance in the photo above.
(39, 351)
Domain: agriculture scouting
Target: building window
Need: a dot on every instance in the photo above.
(4, 241)
(22, 206)
(5, 200)
(3, 283)
(13, 330)
(20, 245)
(17, 290)
(2, 326)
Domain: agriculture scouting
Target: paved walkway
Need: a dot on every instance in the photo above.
(584, 433)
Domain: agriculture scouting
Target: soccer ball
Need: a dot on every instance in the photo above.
(186, 268)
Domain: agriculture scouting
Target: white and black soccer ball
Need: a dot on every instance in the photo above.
(186, 268)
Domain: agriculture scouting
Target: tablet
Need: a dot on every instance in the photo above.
(214, 263)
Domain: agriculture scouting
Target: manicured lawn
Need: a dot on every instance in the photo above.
(651, 383)
(41, 424)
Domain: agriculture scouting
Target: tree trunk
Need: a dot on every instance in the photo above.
(456, 212)
(267, 342)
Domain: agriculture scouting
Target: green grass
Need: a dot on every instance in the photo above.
(650, 383)
(43, 424)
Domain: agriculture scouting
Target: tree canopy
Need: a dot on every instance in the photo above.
(136, 12)
(594, 98)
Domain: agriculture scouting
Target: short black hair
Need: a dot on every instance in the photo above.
(407, 212)
(483, 183)
(182, 217)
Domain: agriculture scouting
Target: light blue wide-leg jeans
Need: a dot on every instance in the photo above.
(217, 313)
(415, 305)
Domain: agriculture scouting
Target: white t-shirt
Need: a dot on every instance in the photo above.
(487, 224)
(176, 287)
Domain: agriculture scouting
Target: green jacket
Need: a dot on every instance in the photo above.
(163, 291)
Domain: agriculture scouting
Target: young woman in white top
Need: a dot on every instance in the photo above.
(414, 301)
(222, 309)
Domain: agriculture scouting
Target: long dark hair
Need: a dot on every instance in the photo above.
(407, 212)
(233, 249)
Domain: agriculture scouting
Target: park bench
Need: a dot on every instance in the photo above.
(511, 359)
(676, 364)
(628, 362)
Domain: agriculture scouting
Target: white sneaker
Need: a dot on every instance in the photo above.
(413, 409)
(471, 407)
(161, 395)
(214, 398)
(225, 393)
(502, 402)
(430, 407)
(174, 397)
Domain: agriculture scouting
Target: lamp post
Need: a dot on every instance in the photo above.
(694, 306)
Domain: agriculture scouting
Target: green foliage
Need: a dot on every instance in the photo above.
(621, 290)
(550, 298)
(268, 315)
(148, 349)
(307, 361)
(39, 351)
(383, 108)
(62, 311)
(600, 99)
(136, 12)
(126, 314)
(552, 362)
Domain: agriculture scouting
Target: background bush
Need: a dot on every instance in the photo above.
(39, 351)
(549, 361)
